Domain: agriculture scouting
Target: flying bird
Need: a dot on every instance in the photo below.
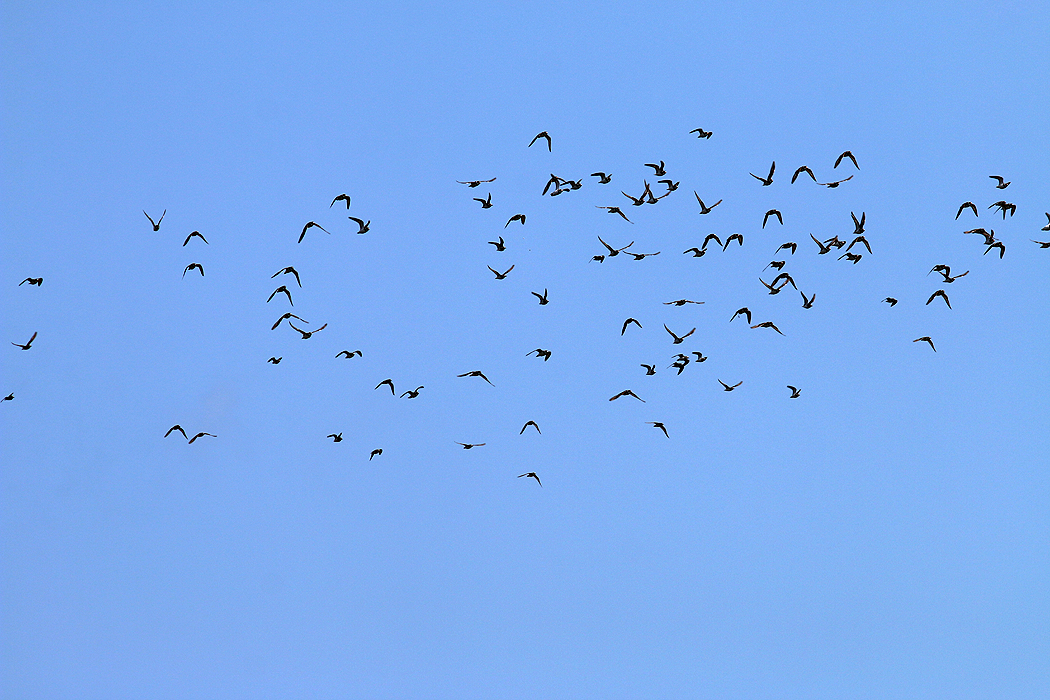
(33, 281)
(890, 300)
(474, 183)
(336, 437)
(194, 266)
(807, 303)
(794, 392)
(927, 339)
(174, 428)
(859, 239)
(858, 225)
(389, 383)
(192, 234)
(527, 424)
(1002, 183)
(1042, 244)
(412, 393)
(939, 293)
(681, 302)
(612, 210)
(847, 154)
(660, 172)
(1047, 227)
(824, 249)
(711, 237)
(542, 135)
(375, 453)
(27, 345)
(500, 245)
(767, 324)
(516, 217)
(543, 298)
(284, 289)
(603, 178)
(469, 445)
(200, 435)
(677, 340)
(776, 264)
(649, 369)
(307, 334)
(630, 320)
(341, 198)
(746, 312)
(704, 209)
(350, 354)
(786, 246)
(671, 187)
(476, 373)
(641, 256)
(156, 224)
(1000, 246)
(658, 424)
(309, 225)
(9, 397)
(485, 203)
(1004, 206)
(362, 226)
(738, 237)
(532, 475)
(500, 275)
(627, 392)
(697, 252)
(701, 134)
(613, 252)
(772, 211)
(540, 352)
(803, 169)
(275, 360)
(966, 205)
(768, 179)
(285, 317)
(289, 271)
(730, 388)
(835, 183)
(852, 257)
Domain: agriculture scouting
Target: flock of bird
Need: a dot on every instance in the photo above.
(557, 186)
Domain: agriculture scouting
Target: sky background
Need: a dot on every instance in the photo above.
(886, 534)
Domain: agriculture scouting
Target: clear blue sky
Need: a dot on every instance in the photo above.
(886, 534)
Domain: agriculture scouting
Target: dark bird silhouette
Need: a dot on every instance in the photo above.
(540, 352)
(966, 205)
(485, 203)
(474, 183)
(500, 245)
(636, 201)
(349, 354)
(786, 246)
(286, 317)
(859, 239)
(527, 424)
(275, 360)
(599, 258)
(768, 179)
(807, 303)
(310, 225)
(766, 217)
(738, 237)
(336, 437)
(803, 169)
(614, 210)
(775, 264)
(711, 237)
(627, 392)
(852, 257)
(556, 181)
(27, 345)
(469, 445)
(726, 387)
(948, 279)
(704, 209)
(890, 300)
(641, 256)
(677, 340)
(1004, 206)
(11, 397)
(613, 252)
(657, 424)
(701, 134)
(174, 428)
(699, 356)
(389, 383)
(927, 339)
(375, 453)
(156, 224)
(501, 275)
(532, 475)
(307, 334)
(989, 237)
(794, 392)
(200, 435)
(412, 393)
(476, 373)
(603, 179)
(649, 369)
(745, 312)
(824, 249)
(289, 271)
(194, 266)
(542, 298)
(341, 198)
(671, 187)
(192, 234)
(1042, 244)
(362, 226)
(1002, 183)
(284, 289)
(628, 321)
(858, 225)
(33, 281)
(1000, 246)
(787, 280)
(767, 324)
(542, 135)
(835, 183)
(697, 252)
(939, 293)
(847, 154)
(1047, 227)
(681, 302)
(660, 172)
(773, 289)
(516, 217)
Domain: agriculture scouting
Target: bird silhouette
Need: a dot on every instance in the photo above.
(542, 135)
(362, 226)
(194, 266)
(1042, 244)
(927, 339)
(349, 354)
(660, 172)
(289, 271)
(628, 321)
(768, 213)
(603, 178)
(852, 257)
(697, 252)
(500, 245)
(516, 217)
(824, 249)
(890, 300)
(540, 352)
(469, 445)
(613, 252)
(200, 435)
(795, 393)
(1002, 183)
(9, 397)
(614, 210)
(847, 154)
(178, 428)
(711, 237)
(678, 339)
(1004, 206)
(336, 437)
(681, 302)
(835, 183)
(156, 224)
(966, 205)
(286, 317)
(307, 334)
(474, 183)
(649, 369)
(485, 203)
(1047, 227)
(389, 383)
(531, 475)
(859, 239)
(726, 387)
(803, 169)
(807, 303)
(341, 198)
(192, 234)
(543, 298)
(627, 392)
(275, 360)
(787, 246)
(33, 281)
(375, 453)
(768, 179)
(858, 224)
(939, 293)
(310, 225)
(527, 424)
(767, 324)
(1000, 246)
(745, 312)
(476, 373)
(701, 134)
(412, 393)
(658, 424)
(27, 345)
(500, 275)
(738, 237)
(283, 289)
(704, 209)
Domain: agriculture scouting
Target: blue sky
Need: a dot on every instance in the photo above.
(883, 535)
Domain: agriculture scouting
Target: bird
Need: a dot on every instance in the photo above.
(1002, 183)
(927, 339)
(730, 388)
(289, 271)
(701, 134)
(773, 289)
(1000, 246)
(389, 383)
(285, 317)
(603, 178)
(711, 237)
(556, 181)
(776, 264)
(341, 198)
(671, 187)
(200, 435)
(1004, 206)
(540, 352)
(858, 225)
(989, 237)
(768, 179)
(794, 392)
(613, 210)
(174, 428)
(307, 334)
(412, 393)
(745, 312)
(500, 275)
(704, 209)
(309, 225)
(543, 298)
(947, 274)
(772, 211)
(336, 437)
(939, 293)
(474, 183)
(649, 369)
(807, 303)
(681, 302)
(362, 226)
(660, 172)
(628, 321)
(375, 453)
(284, 289)
(1042, 244)
(787, 280)
(527, 424)
(350, 354)
(767, 324)
(516, 217)
(613, 252)
(193, 266)
(33, 281)
(824, 249)
(738, 237)
(852, 257)
(532, 475)
(27, 345)
(657, 424)
(627, 392)
(677, 340)
(469, 445)
(859, 239)
(836, 183)
(847, 154)
(1047, 227)
(500, 245)
(599, 258)
(485, 203)
(787, 246)
(697, 252)
(542, 135)
(275, 360)
(635, 201)
(9, 397)
(476, 373)
(803, 169)
(890, 300)
(156, 224)
(642, 256)
(192, 234)
(966, 205)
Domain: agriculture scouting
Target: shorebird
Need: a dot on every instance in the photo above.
(678, 340)
(307, 334)
(389, 383)
(704, 209)
(341, 198)
(890, 300)
(966, 205)
(657, 424)
(475, 373)
(613, 210)
(746, 312)
(803, 169)
(500, 245)
(275, 360)
(767, 324)
(350, 354)
(627, 392)
(542, 298)
(660, 172)
(527, 424)
(485, 203)
(542, 135)
(469, 445)
(194, 266)
(362, 226)
(531, 475)
(772, 211)
(630, 320)
(794, 392)
(516, 217)
(200, 435)
(412, 393)
(474, 183)
(807, 303)
(156, 224)
(309, 225)
(939, 293)
(730, 388)
(768, 179)
(192, 234)
(501, 275)
(540, 352)
(336, 437)
(847, 154)
(603, 179)
(701, 134)
(375, 453)
(27, 345)
(33, 281)
(174, 428)
(1002, 183)
(927, 339)
(285, 317)
(289, 271)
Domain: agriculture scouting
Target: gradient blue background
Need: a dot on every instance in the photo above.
(884, 535)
